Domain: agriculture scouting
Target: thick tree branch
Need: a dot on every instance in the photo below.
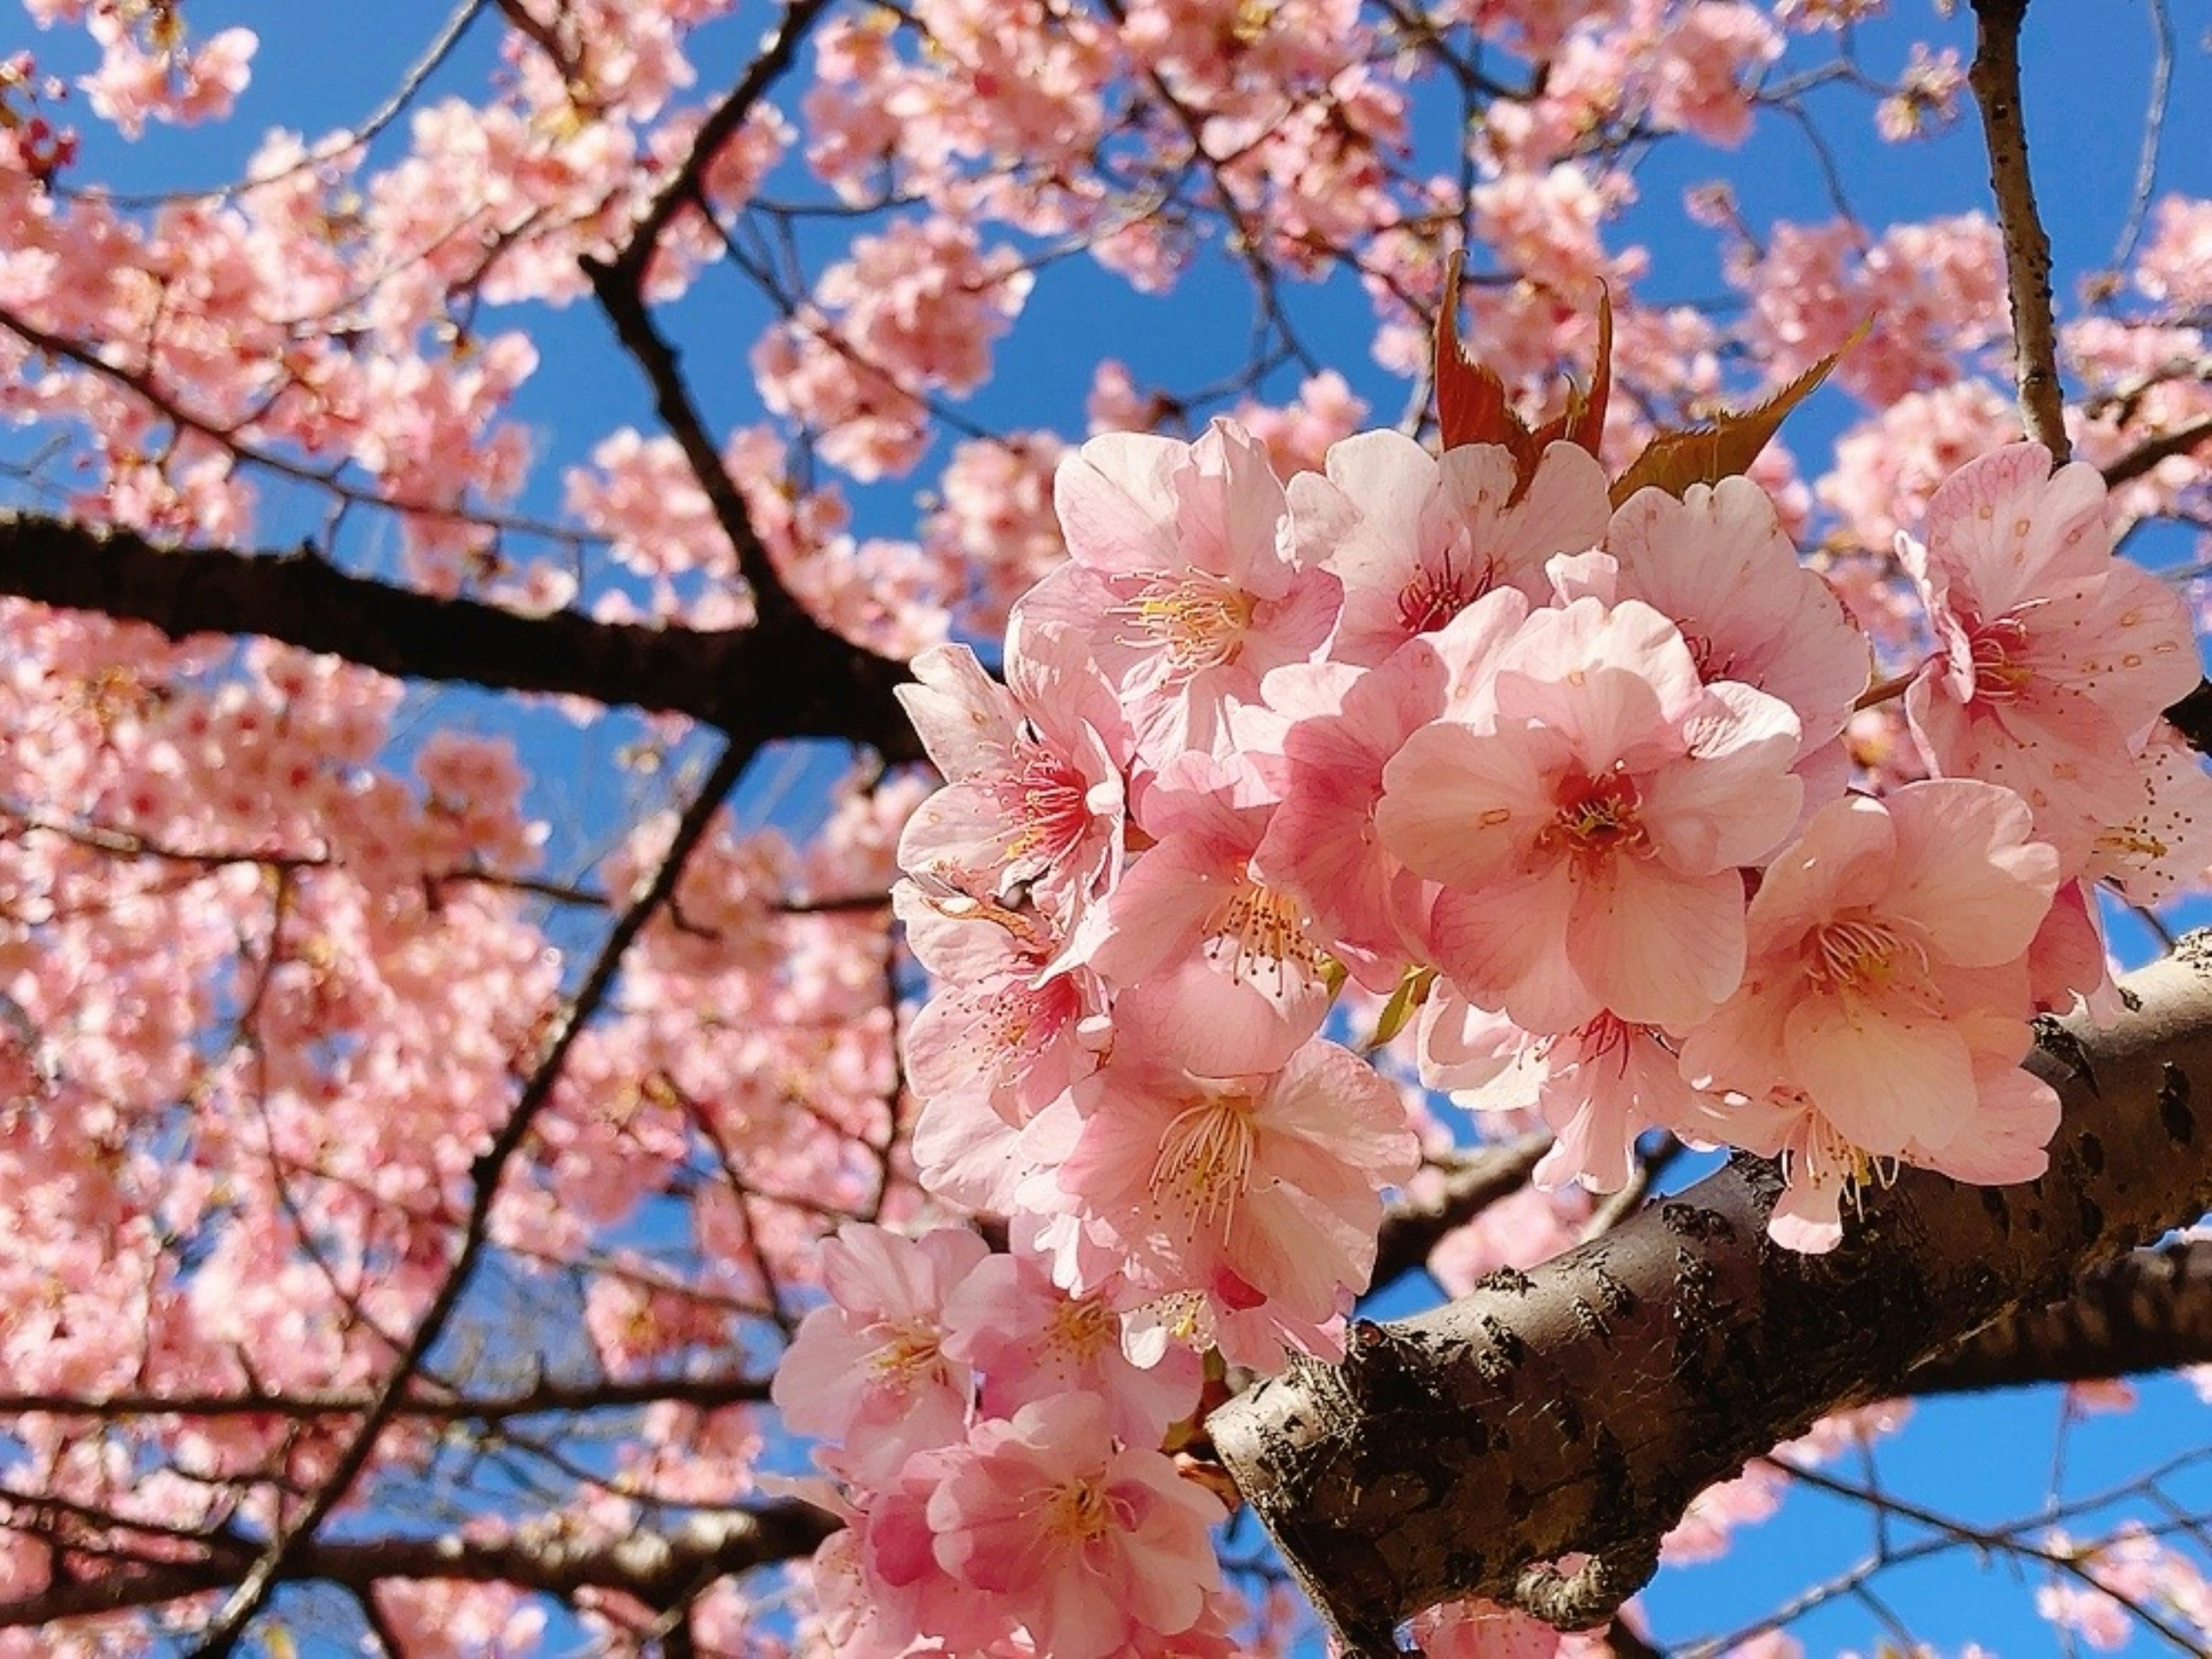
(543, 1399)
(2149, 1311)
(1580, 1408)
(654, 1566)
(757, 684)
(1995, 78)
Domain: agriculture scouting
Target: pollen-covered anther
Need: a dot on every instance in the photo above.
(1596, 817)
(1078, 1510)
(1260, 929)
(1082, 1328)
(1206, 1159)
(908, 1353)
(1199, 620)
(1868, 956)
(1995, 650)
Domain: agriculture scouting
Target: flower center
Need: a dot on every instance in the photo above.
(1078, 1512)
(1598, 818)
(1197, 621)
(1204, 1160)
(1080, 1329)
(1259, 929)
(1045, 796)
(1433, 597)
(906, 1355)
(1861, 956)
(1996, 649)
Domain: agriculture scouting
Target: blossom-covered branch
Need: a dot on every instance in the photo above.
(1579, 1408)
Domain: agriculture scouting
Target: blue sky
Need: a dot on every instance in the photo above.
(1990, 1460)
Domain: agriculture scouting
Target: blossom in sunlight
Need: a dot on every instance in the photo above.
(1088, 1543)
(1587, 813)
(1884, 1011)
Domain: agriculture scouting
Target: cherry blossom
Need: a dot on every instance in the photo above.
(1587, 816)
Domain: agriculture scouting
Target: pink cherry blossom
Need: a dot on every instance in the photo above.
(1416, 540)
(1587, 814)
(2054, 656)
(1335, 728)
(1028, 1338)
(1884, 1011)
(1216, 969)
(1256, 1195)
(1716, 561)
(869, 1369)
(1035, 796)
(1087, 1546)
(1184, 579)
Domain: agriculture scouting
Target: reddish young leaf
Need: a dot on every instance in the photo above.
(1677, 459)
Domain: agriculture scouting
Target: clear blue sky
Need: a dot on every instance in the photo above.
(1990, 1460)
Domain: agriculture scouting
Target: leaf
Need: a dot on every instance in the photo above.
(1583, 422)
(1472, 407)
(1412, 991)
(1676, 459)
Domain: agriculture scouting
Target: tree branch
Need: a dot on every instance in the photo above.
(1995, 78)
(688, 186)
(757, 684)
(543, 1399)
(2181, 440)
(653, 1566)
(1579, 1409)
(295, 1533)
(2150, 1311)
(1477, 1180)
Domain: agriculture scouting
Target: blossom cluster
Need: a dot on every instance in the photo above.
(1574, 776)
(1000, 1473)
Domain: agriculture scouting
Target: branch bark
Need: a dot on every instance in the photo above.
(1995, 78)
(653, 1566)
(2150, 1311)
(1579, 1408)
(758, 684)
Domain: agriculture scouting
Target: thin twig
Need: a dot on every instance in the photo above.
(253, 1589)
(2161, 91)
(1995, 78)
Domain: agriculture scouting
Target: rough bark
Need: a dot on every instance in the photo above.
(2150, 1311)
(793, 680)
(1579, 1408)
(656, 1567)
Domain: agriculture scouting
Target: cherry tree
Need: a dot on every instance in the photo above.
(785, 999)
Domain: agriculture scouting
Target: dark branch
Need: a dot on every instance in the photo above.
(653, 1566)
(757, 684)
(2150, 1311)
(541, 1400)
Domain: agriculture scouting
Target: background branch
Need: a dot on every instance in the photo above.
(758, 684)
